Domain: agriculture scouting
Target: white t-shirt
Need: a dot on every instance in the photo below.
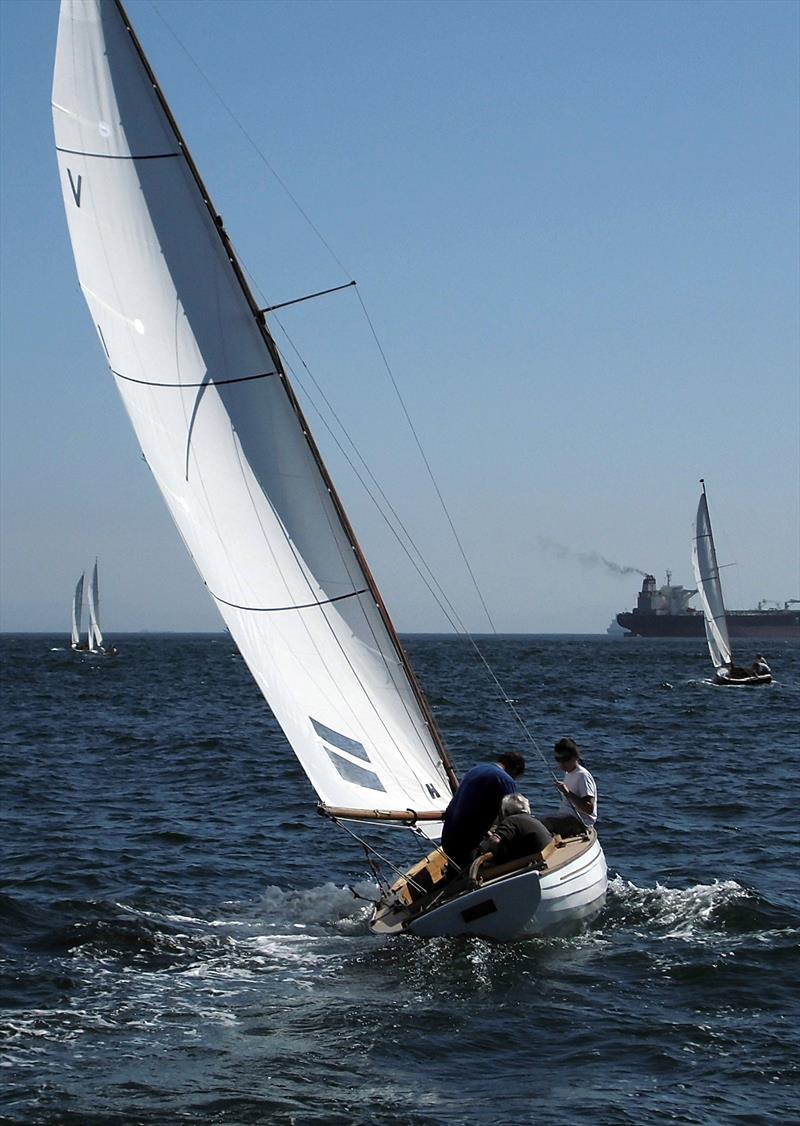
(579, 782)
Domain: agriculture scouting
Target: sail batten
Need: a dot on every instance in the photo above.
(285, 609)
(202, 383)
(230, 450)
(113, 156)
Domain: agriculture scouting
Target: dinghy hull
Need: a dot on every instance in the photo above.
(556, 896)
(742, 681)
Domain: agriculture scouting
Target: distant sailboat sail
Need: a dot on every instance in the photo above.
(223, 434)
(77, 609)
(93, 599)
(706, 573)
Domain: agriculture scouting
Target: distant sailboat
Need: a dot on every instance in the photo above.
(225, 438)
(709, 587)
(94, 638)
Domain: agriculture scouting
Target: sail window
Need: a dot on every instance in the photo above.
(341, 741)
(351, 772)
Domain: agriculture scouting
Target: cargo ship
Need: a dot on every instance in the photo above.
(665, 612)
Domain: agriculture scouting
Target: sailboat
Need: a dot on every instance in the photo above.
(94, 638)
(225, 438)
(77, 613)
(709, 587)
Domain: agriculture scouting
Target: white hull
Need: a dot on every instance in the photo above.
(558, 899)
(741, 681)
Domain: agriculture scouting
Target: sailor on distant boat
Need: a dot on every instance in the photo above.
(760, 667)
(735, 672)
(475, 805)
(518, 833)
(578, 809)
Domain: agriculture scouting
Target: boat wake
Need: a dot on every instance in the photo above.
(702, 911)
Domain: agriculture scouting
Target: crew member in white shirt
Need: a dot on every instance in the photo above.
(578, 809)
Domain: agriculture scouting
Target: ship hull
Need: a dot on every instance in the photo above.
(758, 625)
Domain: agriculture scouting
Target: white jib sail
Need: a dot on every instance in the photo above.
(706, 573)
(220, 433)
(93, 599)
(77, 609)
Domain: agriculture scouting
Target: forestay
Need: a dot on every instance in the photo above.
(706, 573)
(222, 433)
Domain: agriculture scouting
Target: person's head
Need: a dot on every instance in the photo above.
(512, 762)
(567, 754)
(514, 803)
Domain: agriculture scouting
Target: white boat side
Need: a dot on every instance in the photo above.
(559, 898)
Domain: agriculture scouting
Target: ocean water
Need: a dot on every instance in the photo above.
(180, 942)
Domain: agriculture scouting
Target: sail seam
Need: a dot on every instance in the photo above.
(280, 609)
(203, 383)
(112, 156)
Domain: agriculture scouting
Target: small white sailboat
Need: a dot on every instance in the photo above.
(709, 587)
(225, 438)
(94, 637)
(77, 614)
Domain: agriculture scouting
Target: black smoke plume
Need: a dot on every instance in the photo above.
(588, 558)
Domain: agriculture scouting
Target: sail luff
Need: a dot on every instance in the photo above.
(245, 485)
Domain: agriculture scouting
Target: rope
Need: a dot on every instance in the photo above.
(370, 848)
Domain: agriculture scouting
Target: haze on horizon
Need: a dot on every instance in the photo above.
(575, 228)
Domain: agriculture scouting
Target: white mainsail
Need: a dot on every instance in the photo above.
(706, 573)
(223, 434)
(93, 599)
(77, 608)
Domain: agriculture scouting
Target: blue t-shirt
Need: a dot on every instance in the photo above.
(476, 803)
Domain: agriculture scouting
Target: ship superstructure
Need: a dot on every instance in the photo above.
(665, 612)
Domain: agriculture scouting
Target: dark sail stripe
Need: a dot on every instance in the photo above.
(110, 156)
(204, 383)
(280, 609)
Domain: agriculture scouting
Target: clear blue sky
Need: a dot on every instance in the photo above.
(575, 227)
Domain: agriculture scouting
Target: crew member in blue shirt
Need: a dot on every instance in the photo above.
(475, 805)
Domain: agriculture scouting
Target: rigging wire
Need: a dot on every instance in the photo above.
(441, 599)
(272, 170)
(368, 848)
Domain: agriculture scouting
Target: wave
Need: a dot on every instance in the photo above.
(723, 907)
